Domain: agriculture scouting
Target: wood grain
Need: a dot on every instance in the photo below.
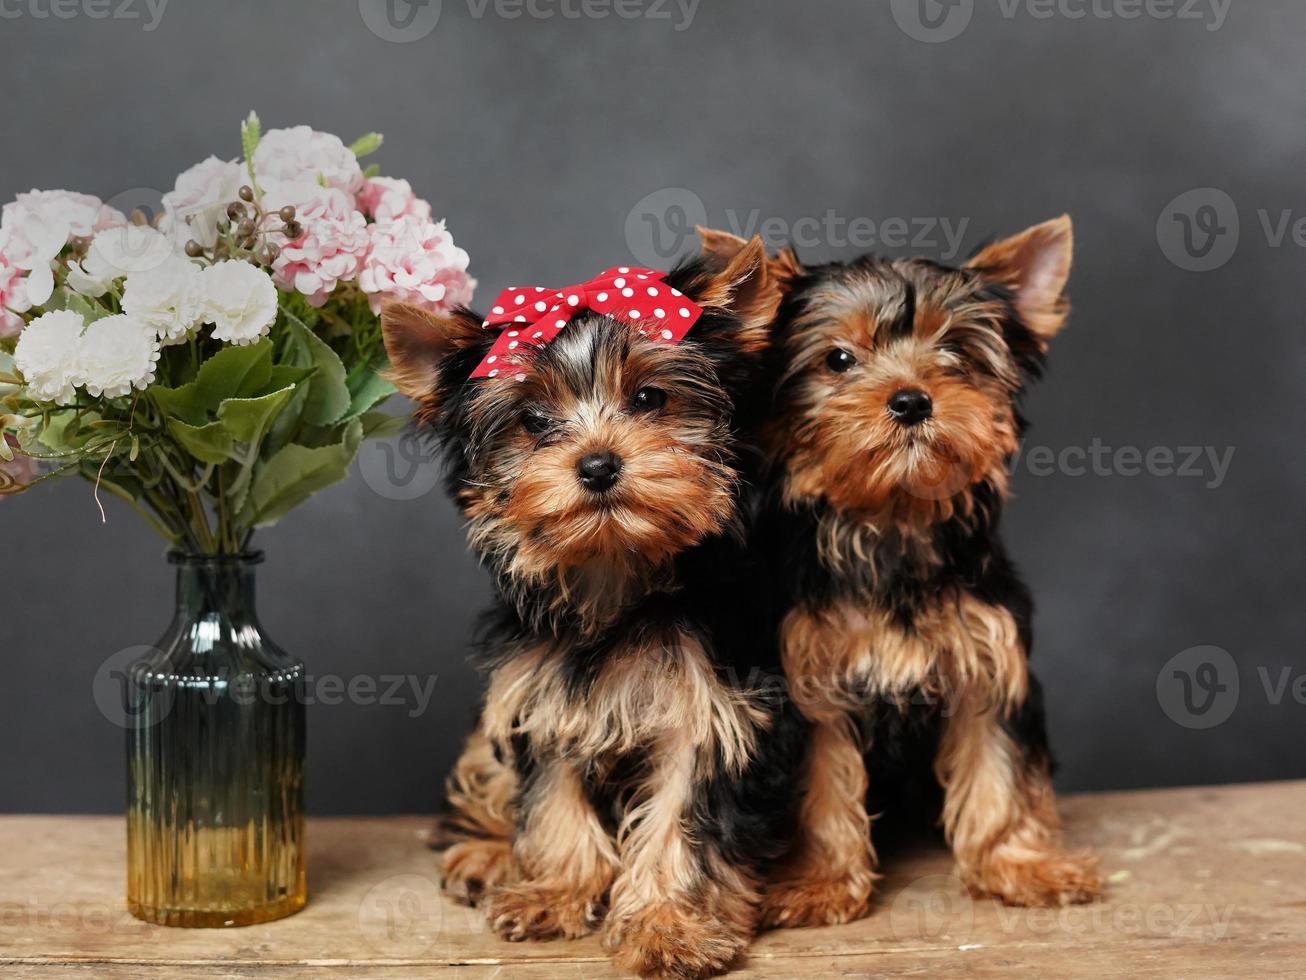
(1204, 883)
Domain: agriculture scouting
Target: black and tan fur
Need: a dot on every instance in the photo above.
(629, 741)
(905, 630)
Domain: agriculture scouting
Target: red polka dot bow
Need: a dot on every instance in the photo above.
(533, 316)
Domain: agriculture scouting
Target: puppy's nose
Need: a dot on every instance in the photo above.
(598, 471)
(911, 406)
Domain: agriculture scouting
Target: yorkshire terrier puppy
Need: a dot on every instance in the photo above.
(906, 630)
(629, 769)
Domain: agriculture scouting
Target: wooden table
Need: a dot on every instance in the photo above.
(1204, 883)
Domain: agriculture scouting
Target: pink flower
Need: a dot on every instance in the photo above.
(82, 215)
(195, 205)
(11, 285)
(303, 154)
(388, 199)
(333, 244)
(17, 471)
(34, 229)
(417, 262)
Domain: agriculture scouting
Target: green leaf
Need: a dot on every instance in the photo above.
(209, 443)
(251, 131)
(233, 372)
(285, 375)
(295, 473)
(328, 396)
(373, 390)
(382, 425)
(367, 144)
(372, 170)
(248, 419)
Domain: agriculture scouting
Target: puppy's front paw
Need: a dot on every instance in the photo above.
(537, 911)
(823, 900)
(470, 867)
(670, 940)
(1038, 879)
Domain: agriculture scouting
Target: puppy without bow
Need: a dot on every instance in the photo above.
(591, 447)
(907, 630)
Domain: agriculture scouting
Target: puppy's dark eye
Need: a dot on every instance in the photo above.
(648, 399)
(839, 360)
(535, 423)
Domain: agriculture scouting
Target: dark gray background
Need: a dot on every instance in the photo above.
(536, 138)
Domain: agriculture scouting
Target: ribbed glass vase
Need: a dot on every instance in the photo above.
(215, 760)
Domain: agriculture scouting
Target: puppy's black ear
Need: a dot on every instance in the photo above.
(741, 285)
(1035, 266)
(420, 343)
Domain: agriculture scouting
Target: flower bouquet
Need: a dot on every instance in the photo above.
(213, 367)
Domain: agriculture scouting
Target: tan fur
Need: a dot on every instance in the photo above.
(416, 342)
(638, 697)
(838, 657)
(668, 701)
(669, 912)
(477, 829)
(841, 442)
(1036, 265)
(1000, 816)
(564, 863)
(830, 874)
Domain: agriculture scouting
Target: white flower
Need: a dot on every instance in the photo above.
(301, 153)
(193, 208)
(117, 354)
(118, 252)
(37, 225)
(48, 356)
(167, 298)
(239, 300)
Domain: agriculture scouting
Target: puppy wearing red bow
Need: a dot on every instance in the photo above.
(627, 741)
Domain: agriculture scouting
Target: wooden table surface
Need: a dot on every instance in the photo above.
(1204, 883)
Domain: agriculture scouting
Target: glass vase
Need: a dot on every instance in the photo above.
(215, 760)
